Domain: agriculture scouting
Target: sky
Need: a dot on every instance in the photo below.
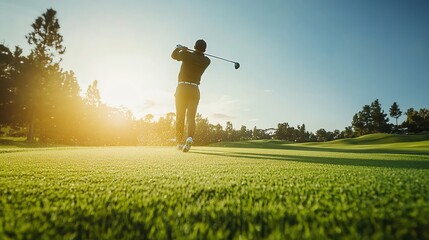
(311, 62)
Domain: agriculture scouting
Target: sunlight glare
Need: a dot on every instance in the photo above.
(135, 84)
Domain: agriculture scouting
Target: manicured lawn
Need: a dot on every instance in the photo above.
(262, 189)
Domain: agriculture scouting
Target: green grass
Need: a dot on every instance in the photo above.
(383, 142)
(262, 189)
(20, 142)
(373, 143)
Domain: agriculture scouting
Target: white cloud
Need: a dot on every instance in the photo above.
(147, 105)
(222, 116)
(253, 120)
(220, 110)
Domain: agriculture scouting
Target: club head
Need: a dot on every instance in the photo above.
(236, 65)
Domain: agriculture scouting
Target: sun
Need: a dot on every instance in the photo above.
(131, 71)
(128, 81)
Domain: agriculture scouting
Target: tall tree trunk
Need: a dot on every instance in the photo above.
(30, 134)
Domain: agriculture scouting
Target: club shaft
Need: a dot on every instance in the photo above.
(214, 56)
(219, 58)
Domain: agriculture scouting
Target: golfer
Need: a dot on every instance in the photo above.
(187, 92)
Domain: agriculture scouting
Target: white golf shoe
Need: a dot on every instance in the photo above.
(188, 144)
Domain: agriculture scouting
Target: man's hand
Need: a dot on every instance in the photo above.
(181, 47)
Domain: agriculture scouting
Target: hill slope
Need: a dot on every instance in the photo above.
(380, 142)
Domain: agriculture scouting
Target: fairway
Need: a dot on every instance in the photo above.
(214, 120)
(263, 190)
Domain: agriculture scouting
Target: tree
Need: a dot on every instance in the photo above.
(337, 134)
(286, 132)
(93, 97)
(44, 57)
(302, 134)
(62, 115)
(229, 131)
(94, 114)
(367, 119)
(202, 130)
(256, 133)
(358, 123)
(7, 87)
(348, 132)
(362, 121)
(379, 118)
(46, 39)
(217, 132)
(322, 135)
(395, 112)
(424, 114)
(281, 132)
(371, 119)
(12, 65)
(148, 118)
(242, 132)
(417, 121)
(145, 130)
(412, 120)
(165, 129)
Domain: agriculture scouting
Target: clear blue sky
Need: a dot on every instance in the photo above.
(312, 62)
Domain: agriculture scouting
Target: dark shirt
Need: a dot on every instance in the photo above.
(193, 65)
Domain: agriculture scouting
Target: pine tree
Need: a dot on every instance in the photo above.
(93, 97)
(395, 112)
(45, 57)
(379, 118)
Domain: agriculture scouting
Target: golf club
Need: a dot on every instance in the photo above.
(236, 64)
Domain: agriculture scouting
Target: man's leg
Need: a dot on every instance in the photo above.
(190, 121)
(190, 116)
(180, 117)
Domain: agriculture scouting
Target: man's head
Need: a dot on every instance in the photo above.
(200, 45)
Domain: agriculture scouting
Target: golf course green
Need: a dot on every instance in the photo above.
(372, 187)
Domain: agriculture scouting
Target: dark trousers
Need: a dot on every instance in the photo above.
(187, 99)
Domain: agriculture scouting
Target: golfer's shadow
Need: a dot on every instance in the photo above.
(421, 163)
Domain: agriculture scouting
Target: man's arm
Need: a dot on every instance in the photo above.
(178, 52)
(175, 54)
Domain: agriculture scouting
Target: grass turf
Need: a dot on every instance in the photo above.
(266, 190)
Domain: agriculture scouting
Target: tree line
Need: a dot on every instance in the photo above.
(43, 102)
(371, 119)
